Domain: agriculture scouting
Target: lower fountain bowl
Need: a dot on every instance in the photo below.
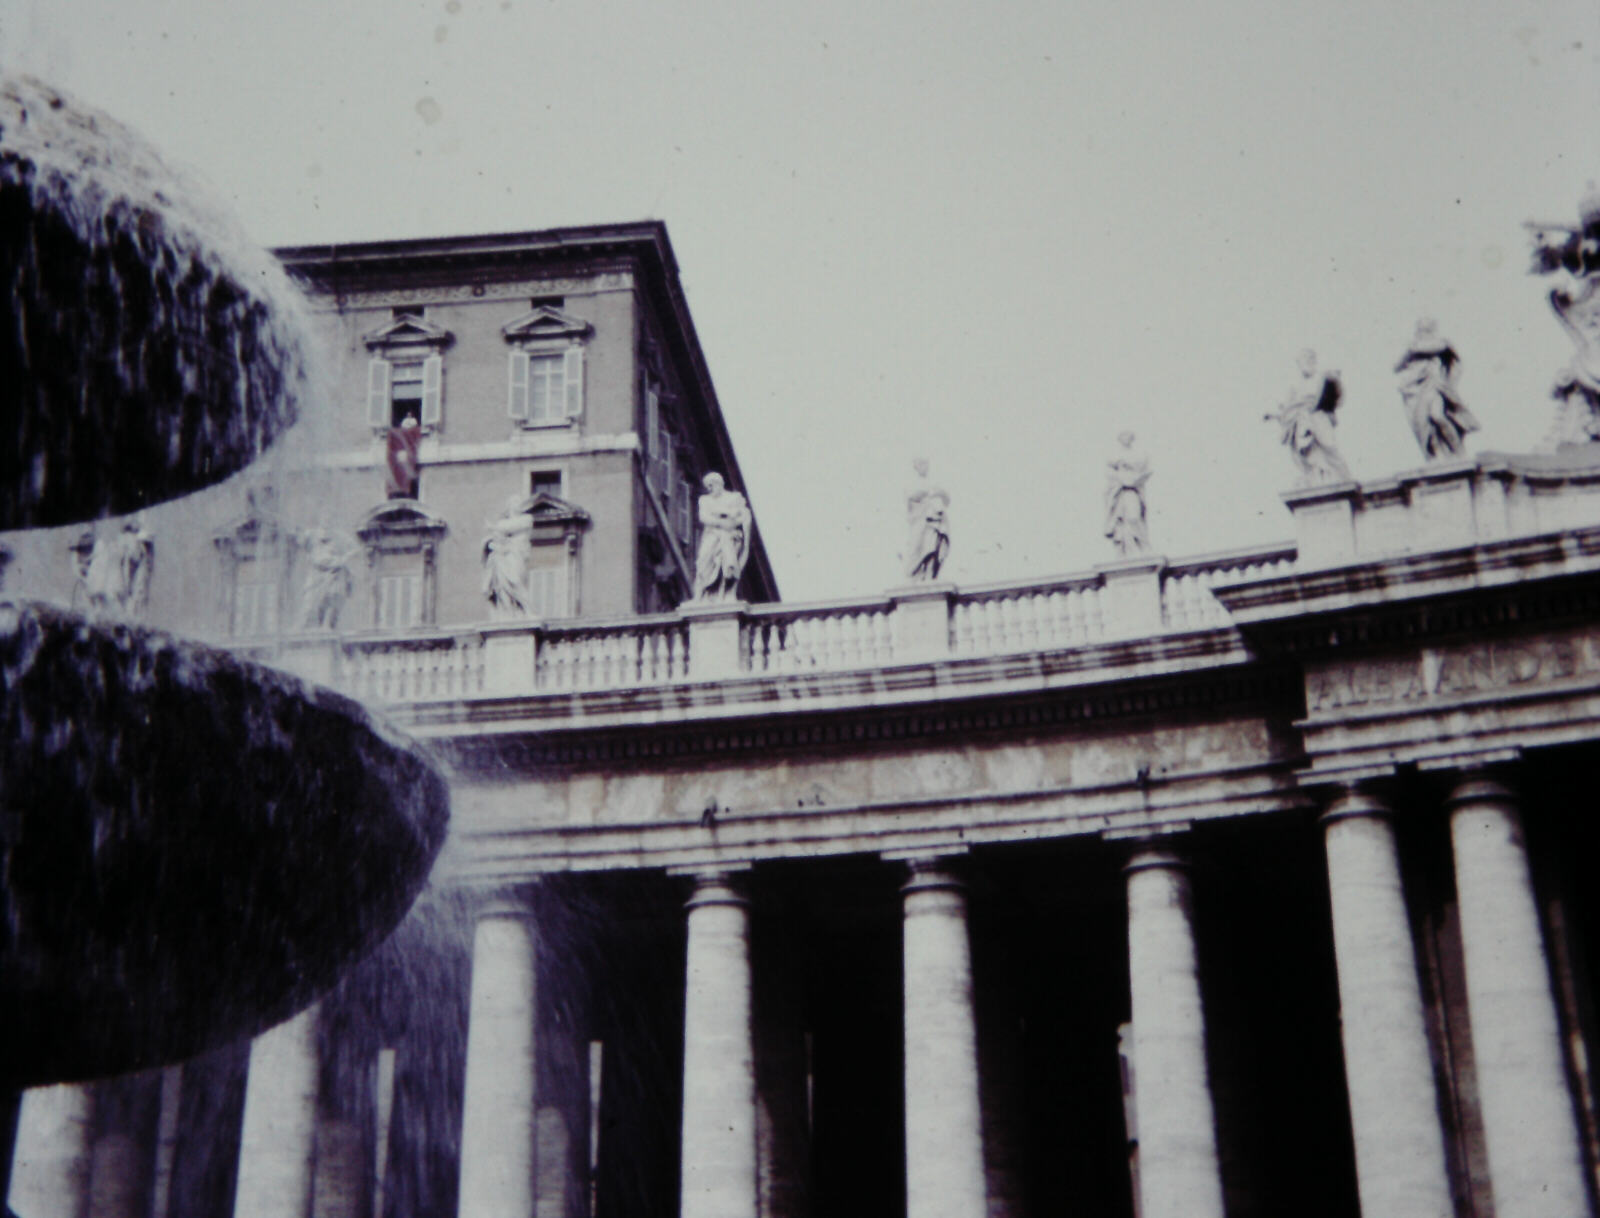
(192, 846)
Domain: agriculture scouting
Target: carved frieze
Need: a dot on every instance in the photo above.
(1439, 674)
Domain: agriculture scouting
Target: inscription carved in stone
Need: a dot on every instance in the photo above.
(1444, 673)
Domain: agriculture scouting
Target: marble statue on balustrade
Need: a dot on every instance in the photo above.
(1575, 253)
(1438, 417)
(725, 527)
(327, 581)
(506, 551)
(927, 525)
(116, 572)
(1126, 523)
(1307, 419)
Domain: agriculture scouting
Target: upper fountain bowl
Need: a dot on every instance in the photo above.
(150, 349)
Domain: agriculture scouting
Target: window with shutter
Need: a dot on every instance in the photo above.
(547, 591)
(547, 581)
(549, 343)
(432, 390)
(683, 512)
(573, 372)
(405, 390)
(378, 392)
(405, 376)
(399, 600)
(255, 609)
(517, 398)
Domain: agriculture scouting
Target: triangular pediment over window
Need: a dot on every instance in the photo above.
(248, 534)
(407, 330)
(546, 322)
(400, 521)
(550, 510)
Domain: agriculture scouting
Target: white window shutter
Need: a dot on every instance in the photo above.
(573, 375)
(517, 398)
(432, 390)
(378, 392)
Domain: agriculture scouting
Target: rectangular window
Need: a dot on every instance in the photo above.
(399, 601)
(255, 609)
(545, 387)
(546, 481)
(683, 512)
(405, 392)
(547, 582)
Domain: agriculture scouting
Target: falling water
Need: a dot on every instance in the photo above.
(149, 348)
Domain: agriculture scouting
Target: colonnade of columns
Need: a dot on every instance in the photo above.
(1531, 1132)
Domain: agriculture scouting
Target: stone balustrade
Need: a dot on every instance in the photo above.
(1115, 602)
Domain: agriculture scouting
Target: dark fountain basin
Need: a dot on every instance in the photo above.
(147, 348)
(193, 846)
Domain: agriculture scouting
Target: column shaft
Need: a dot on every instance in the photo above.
(944, 1123)
(1179, 1175)
(719, 1088)
(1394, 1108)
(52, 1159)
(498, 1121)
(277, 1144)
(1530, 1128)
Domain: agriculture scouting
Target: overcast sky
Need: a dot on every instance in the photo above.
(992, 234)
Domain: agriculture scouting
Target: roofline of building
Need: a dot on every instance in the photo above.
(329, 267)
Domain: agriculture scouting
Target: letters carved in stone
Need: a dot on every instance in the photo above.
(1452, 672)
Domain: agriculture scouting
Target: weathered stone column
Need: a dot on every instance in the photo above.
(52, 1158)
(1394, 1106)
(944, 1122)
(1179, 1176)
(278, 1141)
(719, 1086)
(1530, 1129)
(498, 1120)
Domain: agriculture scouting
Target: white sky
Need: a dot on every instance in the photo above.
(993, 234)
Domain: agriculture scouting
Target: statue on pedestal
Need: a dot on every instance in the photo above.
(1438, 417)
(328, 580)
(928, 543)
(724, 542)
(1561, 248)
(505, 561)
(1307, 420)
(117, 575)
(1126, 474)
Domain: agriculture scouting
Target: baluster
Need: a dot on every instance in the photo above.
(856, 625)
(1036, 602)
(592, 672)
(1178, 602)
